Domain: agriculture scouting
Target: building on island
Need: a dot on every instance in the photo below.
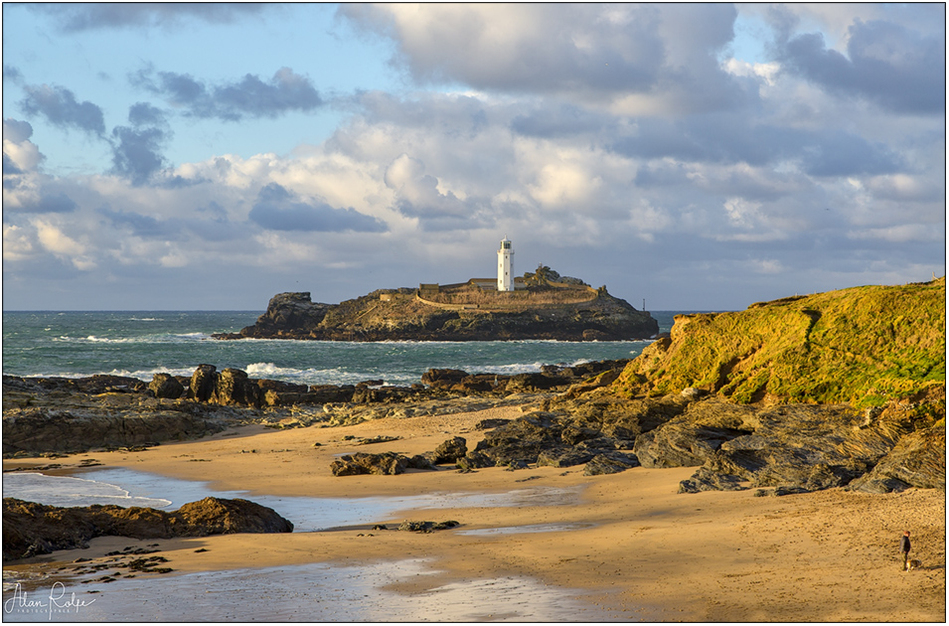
(505, 266)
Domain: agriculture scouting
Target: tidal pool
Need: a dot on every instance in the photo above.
(316, 592)
(128, 487)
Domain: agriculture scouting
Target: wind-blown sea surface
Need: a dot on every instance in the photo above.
(143, 343)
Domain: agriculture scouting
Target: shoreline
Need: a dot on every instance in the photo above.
(643, 550)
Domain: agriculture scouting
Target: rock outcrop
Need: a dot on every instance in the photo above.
(862, 346)
(30, 529)
(568, 311)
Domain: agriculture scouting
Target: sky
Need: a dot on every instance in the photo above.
(688, 157)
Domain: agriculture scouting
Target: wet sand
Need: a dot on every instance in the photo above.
(637, 548)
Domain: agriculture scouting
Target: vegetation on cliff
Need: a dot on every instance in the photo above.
(862, 346)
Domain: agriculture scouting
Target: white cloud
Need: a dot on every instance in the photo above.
(17, 245)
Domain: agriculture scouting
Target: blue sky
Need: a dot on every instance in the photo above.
(188, 156)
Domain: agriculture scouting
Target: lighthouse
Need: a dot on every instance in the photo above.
(505, 267)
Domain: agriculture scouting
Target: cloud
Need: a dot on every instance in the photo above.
(59, 106)
(276, 209)
(732, 139)
(20, 155)
(12, 74)
(63, 246)
(144, 114)
(144, 226)
(83, 17)
(634, 56)
(250, 97)
(418, 194)
(897, 68)
(51, 203)
(136, 153)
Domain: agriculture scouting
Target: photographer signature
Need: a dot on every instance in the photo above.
(56, 602)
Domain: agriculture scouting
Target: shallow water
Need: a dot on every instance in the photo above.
(117, 485)
(313, 593)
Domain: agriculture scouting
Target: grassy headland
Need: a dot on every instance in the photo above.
(862, 346)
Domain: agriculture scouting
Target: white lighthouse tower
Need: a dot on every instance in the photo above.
(505, 266)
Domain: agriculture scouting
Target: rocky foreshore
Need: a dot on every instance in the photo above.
(574, 417)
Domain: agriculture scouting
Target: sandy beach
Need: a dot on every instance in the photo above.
(629, 541)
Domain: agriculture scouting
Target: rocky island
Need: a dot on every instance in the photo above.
(540, 305)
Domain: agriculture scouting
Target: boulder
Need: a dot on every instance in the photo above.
(232, 386)
(523, 439)
(450, 451)
(363, 463)
(30, 529)
(443, 378)
(202, 383)
(166, 386)
(610, 463)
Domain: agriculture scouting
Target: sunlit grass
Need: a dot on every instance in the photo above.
(863, 345)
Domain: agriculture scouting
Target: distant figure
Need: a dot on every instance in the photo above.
(904, 549)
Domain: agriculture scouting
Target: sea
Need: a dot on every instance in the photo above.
(141, 344)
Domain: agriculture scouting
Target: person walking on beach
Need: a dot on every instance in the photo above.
(904, 549)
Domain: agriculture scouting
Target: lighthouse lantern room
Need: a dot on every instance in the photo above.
(505, 266)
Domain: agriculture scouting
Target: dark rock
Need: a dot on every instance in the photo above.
(367, 394)
(166, 386)
(534, 382)
(572, 434)
(487, 424)
(565, 458)
(362, 463)
(610, 464)
(443, 378)
(40, 430)
(30, 529)
(105, 383)
(795, 446)
(917, 460)
(232, 386)
(693, 437)
(705, 479)
(474, 460)
(480, 383)
(422, 462)
(281, 386)
(332, 393)
(450, 451)
(375, 382)
(523, 439)
(202, 382)
(427, 527)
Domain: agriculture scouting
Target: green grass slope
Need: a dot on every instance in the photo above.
(863, 346)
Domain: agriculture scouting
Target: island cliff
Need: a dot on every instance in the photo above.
(543, 306)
